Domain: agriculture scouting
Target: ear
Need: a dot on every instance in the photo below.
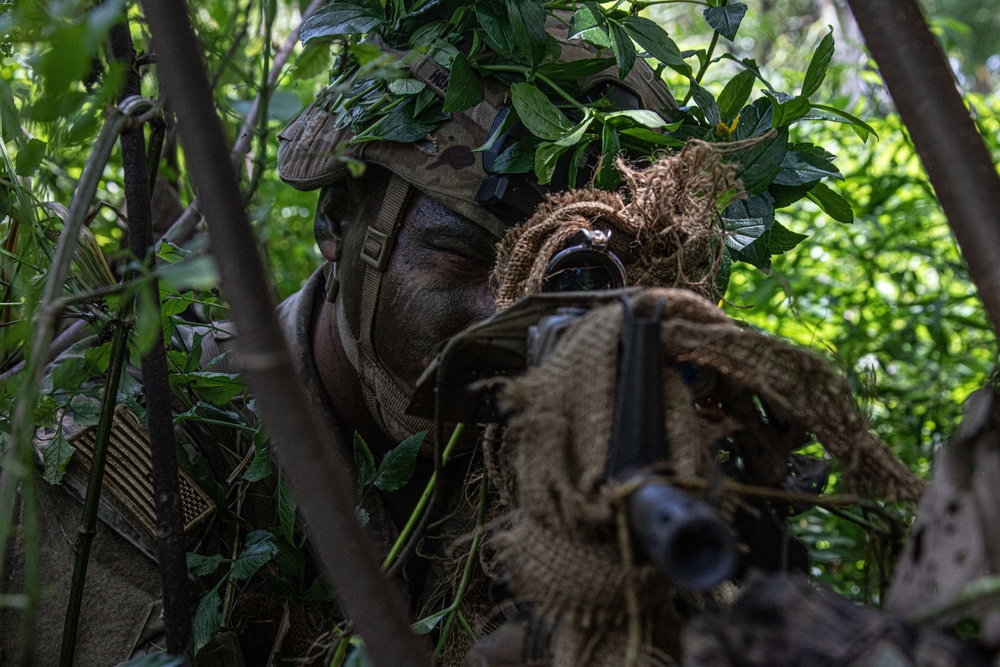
(331, 213)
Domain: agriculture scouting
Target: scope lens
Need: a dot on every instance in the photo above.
(582, 269)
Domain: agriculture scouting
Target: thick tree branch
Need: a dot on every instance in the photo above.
(318, 481)
(957, 161)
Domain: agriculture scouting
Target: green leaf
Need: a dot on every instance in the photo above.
(56, 456)
(286, 509)
(643, 117)
(148, 325)
(216, 388)
(425, 625)
(735, 95)
(401, 125)
(862, 128)
(800, 166)
(750, 65)
(497, 31)
(576, 134)
(832, 204)
(365, 463)
(652, 137)
(575, 70)
(748, 225)
(313, 61)
(608, 177)
(86, 411)
(71, 372)
(782, 240)
(546, 158)
(10, 119)
(173, 306)
(788, 195)
(202, 566)
(342, 18)
(518, 158)
(465, 90)
(623, 48)
(755, 119)
(706, 103)
(259, 550)
(741, 232)
(787, 112)
(759, 164)
(657, 43)
(590, 25)
(398, 464)
(527, 19)
(407, 86)
(260, 468)
(30, 157)
(818, 65)
(207, 619)
(538, 113)
(726, 20)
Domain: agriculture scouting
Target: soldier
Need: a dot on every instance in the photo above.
(410, 246)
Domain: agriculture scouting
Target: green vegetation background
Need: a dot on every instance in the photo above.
(887, 298)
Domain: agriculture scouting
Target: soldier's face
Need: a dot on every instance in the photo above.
(435, 285)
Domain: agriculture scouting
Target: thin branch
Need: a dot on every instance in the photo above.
(184, 226)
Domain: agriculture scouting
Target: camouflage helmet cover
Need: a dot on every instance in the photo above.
(443, 164)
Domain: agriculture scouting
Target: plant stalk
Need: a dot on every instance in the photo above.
(156, 383)
(88, 524)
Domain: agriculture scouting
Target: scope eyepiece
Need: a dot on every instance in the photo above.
(585, 264)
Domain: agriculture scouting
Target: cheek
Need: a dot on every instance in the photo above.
(421, 306)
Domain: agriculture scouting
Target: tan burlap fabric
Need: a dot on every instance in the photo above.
(560, 548)
(665, 226)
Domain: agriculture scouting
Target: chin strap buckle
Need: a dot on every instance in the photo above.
(377, 247)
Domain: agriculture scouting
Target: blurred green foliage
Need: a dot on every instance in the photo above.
(886, 298)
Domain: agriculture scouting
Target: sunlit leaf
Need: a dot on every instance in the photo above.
(343, 18)
(818, 65)
(832, 203)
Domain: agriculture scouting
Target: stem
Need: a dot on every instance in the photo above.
(88, 524)
(467, 572)
(155, 379)
(704, 66)
(191, 216)
(422, 503)
(264, 95)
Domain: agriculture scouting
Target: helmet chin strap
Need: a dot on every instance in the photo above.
(384, 398)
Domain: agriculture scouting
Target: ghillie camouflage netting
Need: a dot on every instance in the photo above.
(556, 534)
